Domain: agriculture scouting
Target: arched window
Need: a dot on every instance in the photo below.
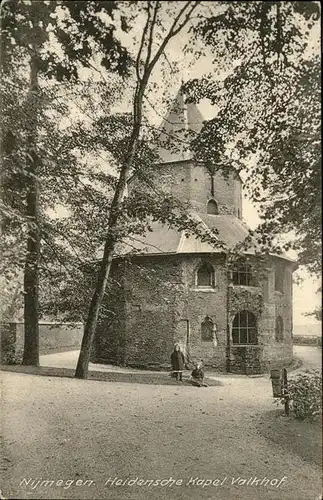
(244, 328)
(207, 329)
(212, 208)
(205, 276)
(279, 329)
(241, 274)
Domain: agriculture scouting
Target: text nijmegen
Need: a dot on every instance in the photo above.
(34, 483)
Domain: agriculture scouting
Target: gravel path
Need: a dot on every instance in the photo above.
(75, 431)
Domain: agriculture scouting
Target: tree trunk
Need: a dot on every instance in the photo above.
(142, 82)
(91, 322)
(31, 272)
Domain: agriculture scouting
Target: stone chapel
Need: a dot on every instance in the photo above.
(178, 289)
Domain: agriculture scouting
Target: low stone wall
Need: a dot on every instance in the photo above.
(307, 340)
(53, 337)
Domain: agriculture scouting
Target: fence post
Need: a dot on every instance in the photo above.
(285, 392)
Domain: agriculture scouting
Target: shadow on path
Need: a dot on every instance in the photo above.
(154, 378)
(303, 438)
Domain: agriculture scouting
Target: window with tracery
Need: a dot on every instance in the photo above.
(242, 275)
(244, 328)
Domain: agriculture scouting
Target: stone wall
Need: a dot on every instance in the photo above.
(53, 337)
(312, 340)
(159, 303)
(163, 306)
(247, 359)
(201, 303)
(276, 353)
(190, 181)
(140, 330)
(153, 295)
(109, 341)
(266, 304)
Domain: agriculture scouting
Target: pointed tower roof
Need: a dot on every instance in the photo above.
(182, 122)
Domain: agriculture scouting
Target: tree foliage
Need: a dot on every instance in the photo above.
(305, 392)
(268, 104)
(68, 184)
(268, 123)
(68, 35)
(146, 59)
(40, 38)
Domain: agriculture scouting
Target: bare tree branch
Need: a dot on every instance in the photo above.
(172, 32)
(151, 35)
(142, 43)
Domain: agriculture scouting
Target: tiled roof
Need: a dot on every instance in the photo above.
(162, 239)
(181, 118)
(167, 241)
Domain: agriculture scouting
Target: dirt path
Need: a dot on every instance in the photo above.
(310, 356)
(67, 429)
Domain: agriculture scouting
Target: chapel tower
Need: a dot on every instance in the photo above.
(174, 287)
(207, 189)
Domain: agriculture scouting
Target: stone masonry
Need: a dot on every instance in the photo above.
(160, 298)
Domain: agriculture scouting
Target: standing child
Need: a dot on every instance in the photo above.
(178, 362)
